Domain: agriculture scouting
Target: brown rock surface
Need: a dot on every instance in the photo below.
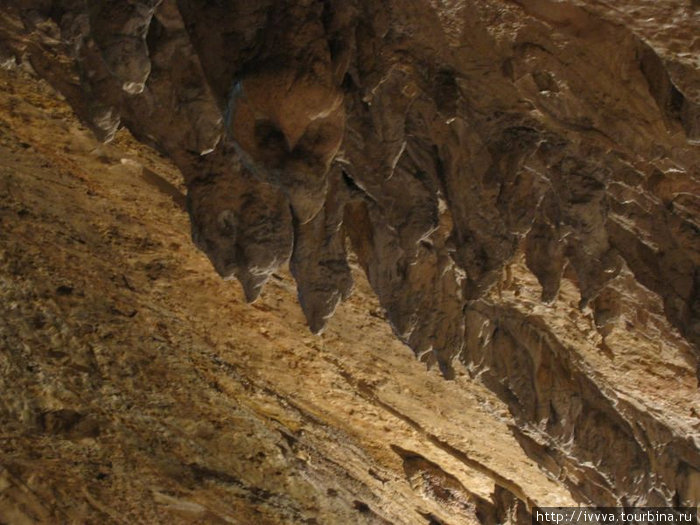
(517, 182)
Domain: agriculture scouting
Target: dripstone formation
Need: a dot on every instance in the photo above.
(445, 146)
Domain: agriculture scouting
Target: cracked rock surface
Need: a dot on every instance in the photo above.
(518, 183)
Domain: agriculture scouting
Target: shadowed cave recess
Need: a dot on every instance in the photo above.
(452, 151)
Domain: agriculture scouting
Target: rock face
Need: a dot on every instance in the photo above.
(519, 182)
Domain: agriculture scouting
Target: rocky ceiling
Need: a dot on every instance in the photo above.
(500, 171)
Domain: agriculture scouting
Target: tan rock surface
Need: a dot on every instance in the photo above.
(140, 388)
(515, 182)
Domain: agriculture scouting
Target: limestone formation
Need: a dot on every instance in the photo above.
(458, 152)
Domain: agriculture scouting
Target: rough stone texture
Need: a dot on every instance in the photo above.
(140, 388)
(517, 180)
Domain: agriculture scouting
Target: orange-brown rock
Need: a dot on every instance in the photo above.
(517, 182)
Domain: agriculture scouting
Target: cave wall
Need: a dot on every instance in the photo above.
(500, 171)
